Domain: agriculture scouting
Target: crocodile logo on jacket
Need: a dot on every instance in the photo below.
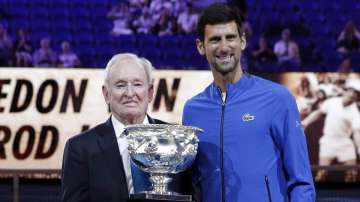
(248, 117)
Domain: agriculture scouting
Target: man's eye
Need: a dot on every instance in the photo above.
(231, 38)
(121, 85)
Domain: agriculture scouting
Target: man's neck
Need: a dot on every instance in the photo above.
(133, 120)
(232, 77)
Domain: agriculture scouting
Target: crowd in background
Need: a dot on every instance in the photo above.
(161, 17)
(20, 53)
(171, 17)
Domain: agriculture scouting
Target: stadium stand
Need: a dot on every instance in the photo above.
(84, 23)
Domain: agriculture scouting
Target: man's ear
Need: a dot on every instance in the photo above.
(242, 41)
(151, 92)
(105, 94)
(200, 46)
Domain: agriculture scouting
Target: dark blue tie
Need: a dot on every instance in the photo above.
(140, 179)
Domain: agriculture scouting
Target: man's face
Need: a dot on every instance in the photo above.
(127, 90)
(222, 47)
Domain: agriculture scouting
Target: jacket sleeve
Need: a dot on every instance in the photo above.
(289, 136)
(75, 185)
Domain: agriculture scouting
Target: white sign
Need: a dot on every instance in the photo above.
(41, 108)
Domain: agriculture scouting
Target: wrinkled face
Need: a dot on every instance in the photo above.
(222, 47)
(127, 90)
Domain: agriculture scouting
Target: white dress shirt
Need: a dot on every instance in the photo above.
(123, 144)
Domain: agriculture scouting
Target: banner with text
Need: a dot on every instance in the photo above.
(41, 108)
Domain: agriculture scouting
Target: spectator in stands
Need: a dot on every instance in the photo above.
(120, 15)
(345, 66)
(342, 120)
(287, 50)
(166, 25)
(187, 19)
(5, 47)
(144, 24)
(156, 6)
(67, 57)
(178, 6)
(22, 49)
(349, 39)
(45, 56)
(264, 53)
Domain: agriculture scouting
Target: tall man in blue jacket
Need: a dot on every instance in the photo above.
(254, 146)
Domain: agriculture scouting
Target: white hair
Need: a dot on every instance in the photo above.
(146, 64)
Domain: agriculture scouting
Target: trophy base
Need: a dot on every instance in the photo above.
(147, 197)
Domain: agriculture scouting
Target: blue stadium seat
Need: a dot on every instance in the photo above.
(169, 42)
(125, 42)
(38, 4)
(61, 4)
(62, 25)
(19, 23)
(147, 40)
(39, 13)
(20, 11)
(41, 26)
(187, 41)
(83, 38)
(154, 56)
(79, 4)
(173, 57)
(60, 13)
(82, 26)
(332, 60)
(355, 59)
(81, 12)
(58, 37)
(20, 3)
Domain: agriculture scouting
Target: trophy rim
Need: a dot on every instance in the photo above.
(163, 126)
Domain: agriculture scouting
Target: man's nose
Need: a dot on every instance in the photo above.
(130, 91)
(224, 45)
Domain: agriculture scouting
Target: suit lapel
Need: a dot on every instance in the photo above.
(110, 150)
(151, 120)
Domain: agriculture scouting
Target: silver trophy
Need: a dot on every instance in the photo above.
(160, 150)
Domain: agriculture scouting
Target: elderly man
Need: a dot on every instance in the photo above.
(96, 164)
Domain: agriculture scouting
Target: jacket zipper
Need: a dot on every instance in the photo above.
(268, 188)
(222, 179)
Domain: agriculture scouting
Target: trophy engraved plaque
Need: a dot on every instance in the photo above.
(162, 150)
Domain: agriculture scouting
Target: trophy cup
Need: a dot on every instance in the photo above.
(162, 150)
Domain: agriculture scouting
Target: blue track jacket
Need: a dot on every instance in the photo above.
(264, 154)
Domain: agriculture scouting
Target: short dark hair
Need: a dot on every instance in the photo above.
(217, 13)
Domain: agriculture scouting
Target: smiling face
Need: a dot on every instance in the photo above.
(222, 46)
(127, 91)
